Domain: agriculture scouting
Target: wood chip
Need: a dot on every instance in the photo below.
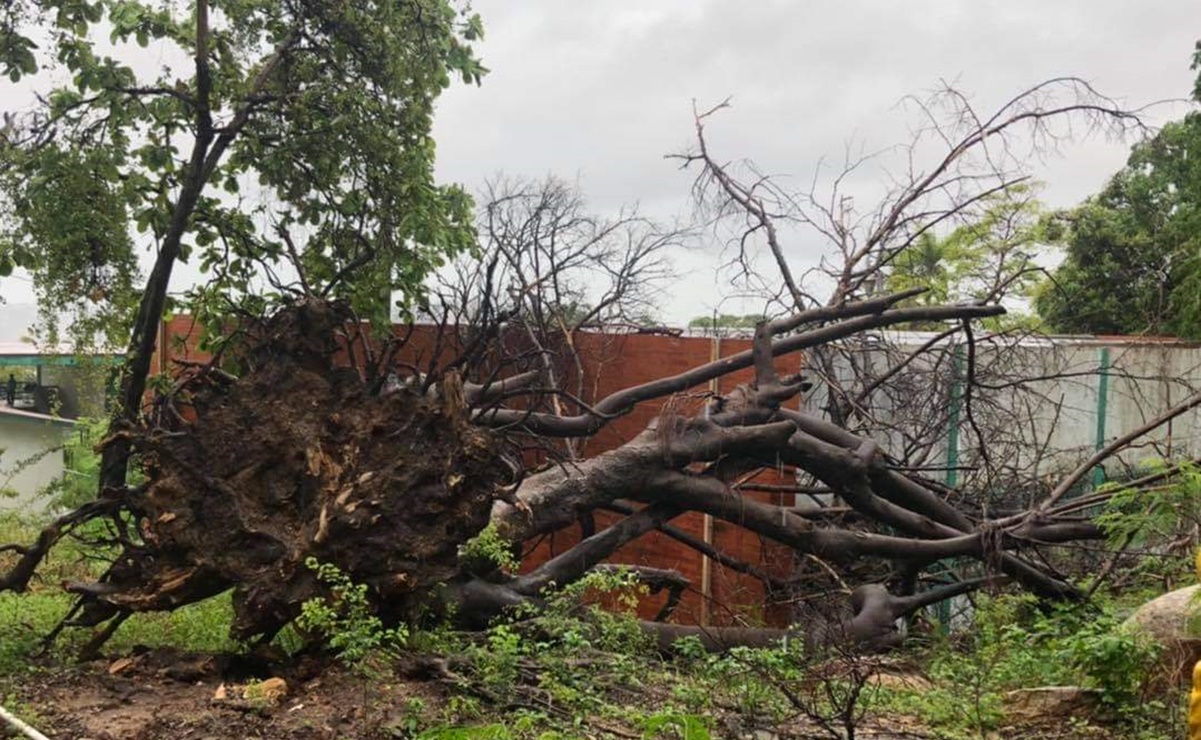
(120, 664)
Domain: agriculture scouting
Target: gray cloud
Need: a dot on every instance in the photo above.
(604, 90)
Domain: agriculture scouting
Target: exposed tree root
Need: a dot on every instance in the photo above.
(295, 460)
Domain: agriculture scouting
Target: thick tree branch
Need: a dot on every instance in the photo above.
(623, 401)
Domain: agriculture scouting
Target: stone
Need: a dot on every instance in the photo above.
(1051, 701)
(1167, 618)
(272, 689)
(902, 681)
(121, 664)
(1172, 621)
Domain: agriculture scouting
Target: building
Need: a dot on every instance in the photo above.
(52, 390)
(31, 456)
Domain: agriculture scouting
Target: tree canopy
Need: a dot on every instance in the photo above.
(283, 146)
(726, 321)
(1132, 264)
(278, 146)
(989, 258)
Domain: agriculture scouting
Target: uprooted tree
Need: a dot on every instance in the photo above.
(307, 437)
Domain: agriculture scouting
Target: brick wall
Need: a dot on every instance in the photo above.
(611, 362)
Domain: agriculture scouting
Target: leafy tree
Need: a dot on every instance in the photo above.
(988, 259)
(284, 147)
(1132, 264)
(82, 263)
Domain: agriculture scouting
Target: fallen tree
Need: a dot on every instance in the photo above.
(248, 478)
(304, 440)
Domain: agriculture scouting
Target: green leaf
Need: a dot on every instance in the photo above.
(344, 149)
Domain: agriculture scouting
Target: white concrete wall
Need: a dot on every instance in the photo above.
(31, 457)
(1041, 419)
(1056, 419)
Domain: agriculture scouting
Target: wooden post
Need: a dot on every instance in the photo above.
(707, 519)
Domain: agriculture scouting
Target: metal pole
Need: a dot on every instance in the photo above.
(15, 722)
(707, 519)
(1102, 410)
(943, 608)
(952, 477)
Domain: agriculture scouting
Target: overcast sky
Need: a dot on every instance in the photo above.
(601, 91)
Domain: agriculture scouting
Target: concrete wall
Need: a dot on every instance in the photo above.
(31, 457)
(1090, 393)
(1042, 405)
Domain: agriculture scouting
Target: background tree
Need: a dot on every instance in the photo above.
(547, 260)
(718, 323)
(1131, 262)
(548, 268)
(991, 259)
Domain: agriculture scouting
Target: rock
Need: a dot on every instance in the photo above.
(1171, 620)
(1168, 617)
(120, 664)
(272, 689)
(269, 691)
(902, 681)
(1051, 701)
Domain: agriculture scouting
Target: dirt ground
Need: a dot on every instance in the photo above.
(167, 695)
(164, 694)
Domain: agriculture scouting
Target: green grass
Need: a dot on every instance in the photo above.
(570, 667)
(26, 618)
(202, 627)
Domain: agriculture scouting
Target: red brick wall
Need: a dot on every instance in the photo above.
(610, 363)
(614, 362)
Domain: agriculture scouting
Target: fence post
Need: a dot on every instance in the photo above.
(1102, 410)
(951, 476)
(952, 473)
(707, 519)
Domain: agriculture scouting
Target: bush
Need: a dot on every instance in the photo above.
(1016, 644)
(346, 620)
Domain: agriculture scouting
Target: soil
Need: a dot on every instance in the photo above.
(298, 458)
(165, 694)
(169, 695)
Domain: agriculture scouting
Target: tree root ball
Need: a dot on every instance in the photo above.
(296, 458)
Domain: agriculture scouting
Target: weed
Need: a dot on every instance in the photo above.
(683, 726)
(482, 732)
(412, 717)
(488, 552)
(1015, 645)
(346, 620)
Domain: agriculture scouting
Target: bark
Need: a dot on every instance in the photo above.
(557, 497)
(623, 401)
